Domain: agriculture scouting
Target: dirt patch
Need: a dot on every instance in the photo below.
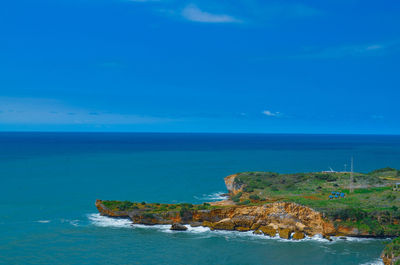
(312, 198)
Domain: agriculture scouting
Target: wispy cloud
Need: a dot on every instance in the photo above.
(371, 49)
(53, 112)
(241, 11)
(195, 14)
(271, 114)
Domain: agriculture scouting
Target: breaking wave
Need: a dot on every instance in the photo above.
(216, 196)
(374, 262)
(104, 221)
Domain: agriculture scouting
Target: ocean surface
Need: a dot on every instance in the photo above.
(50, 181)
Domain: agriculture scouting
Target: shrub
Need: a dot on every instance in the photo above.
(236, 198)
(326, 177)
(148, 215)
(248, 189)
(244, 202)
(125, 205)
(274, 188)
(186, 205)
(254, 197)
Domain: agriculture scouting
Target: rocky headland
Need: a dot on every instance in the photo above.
(290, 206)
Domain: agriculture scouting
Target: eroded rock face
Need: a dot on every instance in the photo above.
(389, 260)
(267, 230)
(242, 229)
(231, 186)
(284, 233)
(267, 218)
(224, 224)
(298, 235)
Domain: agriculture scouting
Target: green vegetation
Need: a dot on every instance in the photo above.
(149, 209)
(372, 207)
(393, 250)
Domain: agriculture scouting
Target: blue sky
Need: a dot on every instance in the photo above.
(200, 66)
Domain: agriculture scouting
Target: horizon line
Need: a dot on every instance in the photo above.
(156, 132)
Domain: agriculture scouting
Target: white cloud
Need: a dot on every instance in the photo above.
(193, 13)
(271, 114)
(349, 51)
(53, 112)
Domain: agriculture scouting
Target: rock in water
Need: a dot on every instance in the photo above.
(298, 235)
(224, 224)
(284, 233)
(196, 224)
(258, 232)
(242, 229)
(178, 227)
(268, 231)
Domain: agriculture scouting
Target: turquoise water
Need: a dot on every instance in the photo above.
(49, 182)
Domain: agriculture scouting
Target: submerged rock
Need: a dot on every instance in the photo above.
(178, 227)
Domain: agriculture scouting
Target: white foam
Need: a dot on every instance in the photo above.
(104, 221)
(216, 196)
(356, 239)
(43, 221)
(374, 262)
(198, 229)
(74, 222)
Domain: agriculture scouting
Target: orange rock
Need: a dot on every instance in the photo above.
(268, 231)
(225, 224)
(242, 229)
(284, 233)
(298, 235)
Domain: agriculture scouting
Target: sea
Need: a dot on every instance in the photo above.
(49, 183)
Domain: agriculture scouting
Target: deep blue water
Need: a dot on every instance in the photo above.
(49, 182)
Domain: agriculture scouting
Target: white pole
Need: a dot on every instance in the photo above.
(351, 176)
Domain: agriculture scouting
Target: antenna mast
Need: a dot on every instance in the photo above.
(351, 177)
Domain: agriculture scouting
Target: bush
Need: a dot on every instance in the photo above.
(125, 205)
(148, 215)
(187, 205)
(326, 177)
(236, 198)
(244, 202)
(254, 197)
(248, 189)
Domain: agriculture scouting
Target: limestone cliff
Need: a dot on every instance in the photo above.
(276, 216)
(266, 217)
(231, 186)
